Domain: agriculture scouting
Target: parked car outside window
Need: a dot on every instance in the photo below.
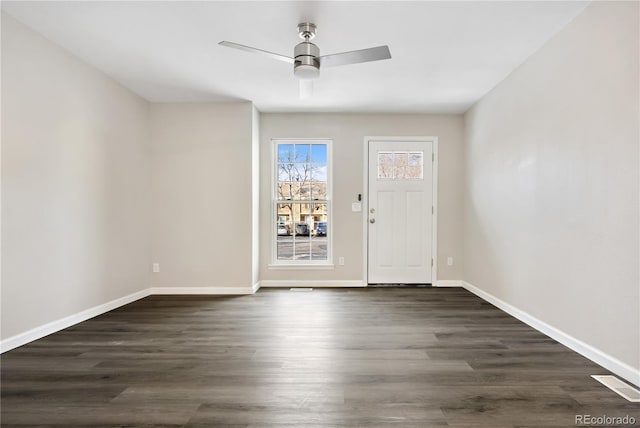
(302, 229)
(321, 228)
(283, 230)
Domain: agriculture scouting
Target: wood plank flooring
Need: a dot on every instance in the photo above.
(401, 357)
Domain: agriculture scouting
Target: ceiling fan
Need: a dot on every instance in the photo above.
(307, 61)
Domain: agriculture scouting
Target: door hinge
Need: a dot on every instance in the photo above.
(433, 157)
(433, 209)
(431, 262)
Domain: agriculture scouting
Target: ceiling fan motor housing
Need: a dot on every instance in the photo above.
(306, 64)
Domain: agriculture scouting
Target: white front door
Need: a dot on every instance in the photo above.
(400, 212)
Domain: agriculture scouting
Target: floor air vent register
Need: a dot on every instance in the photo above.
(619, 387)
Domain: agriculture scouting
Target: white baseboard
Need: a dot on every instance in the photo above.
(54, 326)
(448, 283)
(203, 290)
(255, 287)
(607, 361)
(271, 283)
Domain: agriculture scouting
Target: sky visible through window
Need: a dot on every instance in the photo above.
(314, 153)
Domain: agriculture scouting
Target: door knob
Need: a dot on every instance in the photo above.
(373, 220)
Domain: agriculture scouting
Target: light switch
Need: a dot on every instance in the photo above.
(356, 207)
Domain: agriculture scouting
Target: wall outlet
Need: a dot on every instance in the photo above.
(449, 261)
(341, 261)
(156, 267)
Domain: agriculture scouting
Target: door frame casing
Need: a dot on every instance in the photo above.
(365, 201)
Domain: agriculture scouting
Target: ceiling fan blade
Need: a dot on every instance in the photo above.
(255, 50)
(354, 57)
(306, 89)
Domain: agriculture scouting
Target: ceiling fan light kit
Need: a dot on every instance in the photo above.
(306, 55)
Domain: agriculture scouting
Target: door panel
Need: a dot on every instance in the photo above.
(415, 229)
(399, 212)
(385, 215)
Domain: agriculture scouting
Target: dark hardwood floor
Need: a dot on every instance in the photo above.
(405, 357)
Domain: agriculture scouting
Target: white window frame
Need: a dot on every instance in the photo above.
(300, 264)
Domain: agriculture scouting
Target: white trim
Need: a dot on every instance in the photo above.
(448, 283)
(203, 290)
(301, 267)
(255, 287)
(365, 211)
(365, 201)
(57, 325)
(598, 356)
(434, 200)
(292, 283)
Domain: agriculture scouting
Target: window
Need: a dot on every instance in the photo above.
(398, 165)
(301, 205)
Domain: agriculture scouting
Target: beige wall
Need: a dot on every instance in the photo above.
(347, 132)
(74, 184)
(202, 201)
(551, 224)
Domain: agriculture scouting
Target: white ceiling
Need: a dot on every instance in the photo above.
(446, 55)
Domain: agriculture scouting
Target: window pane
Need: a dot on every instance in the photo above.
(414, 167)
(285, 192)
(285, 214)
(319, 236)
(385, 165)
(285, 153)
(319, 153)
(415, 159)
(284, 240)
(303, 153)
(319, 212)
(319, 248)
(285, 171)
(414, 172)
(301, 229)
(301, 172)
(400, 163)
(303, 248)
(285, 248)
(295, 191)
(301, 191)
(319, 172)
(318, 191)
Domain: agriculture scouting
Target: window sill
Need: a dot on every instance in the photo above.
(300, 267)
